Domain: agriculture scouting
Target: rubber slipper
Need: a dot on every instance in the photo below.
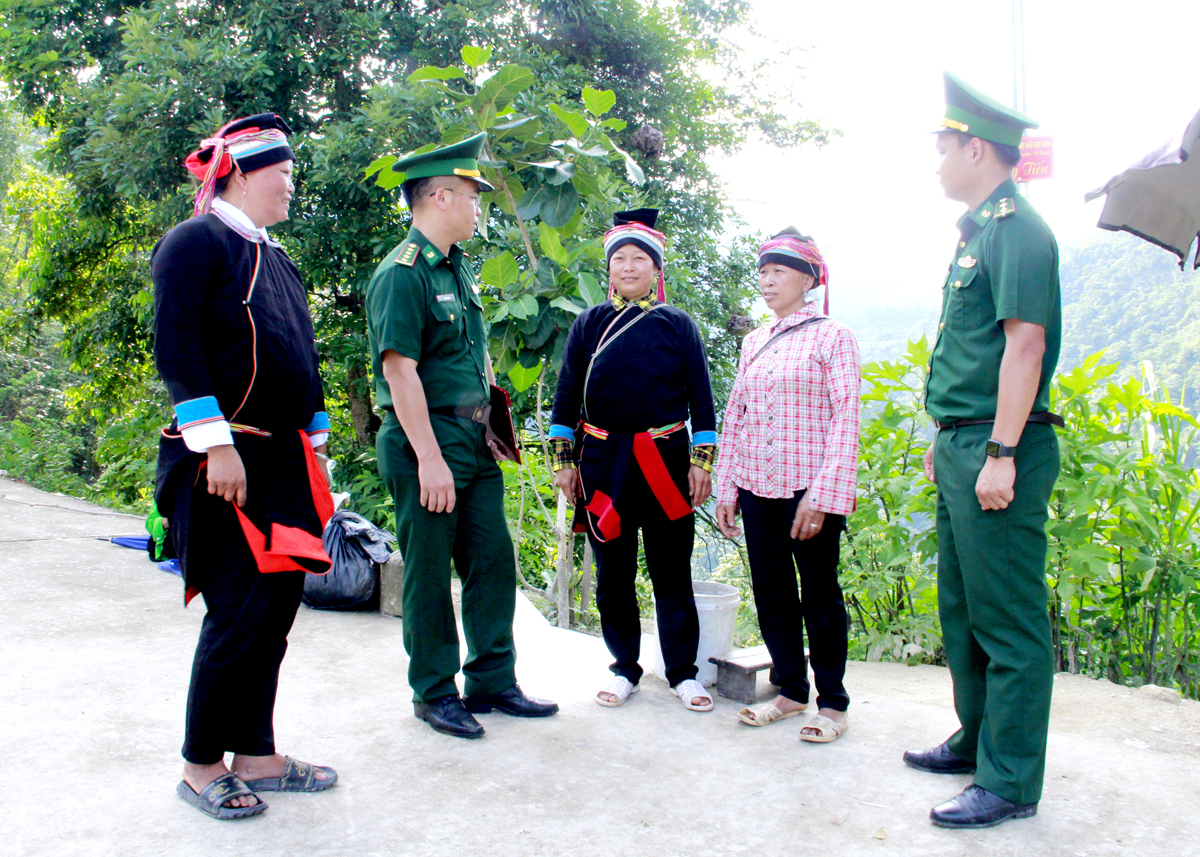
(620, 687)
(827, 729)
(689, 689)
(766, 712)
(297, 777)
(211, 799)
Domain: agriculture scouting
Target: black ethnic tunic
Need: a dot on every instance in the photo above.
(651, 372)
(233, 341)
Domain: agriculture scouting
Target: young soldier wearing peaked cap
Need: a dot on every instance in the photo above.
(432, 379)
(994, 460)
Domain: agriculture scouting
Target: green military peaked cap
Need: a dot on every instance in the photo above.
(970, 111)
(457, 159)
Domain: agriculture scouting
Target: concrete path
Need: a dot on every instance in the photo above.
(95, 650)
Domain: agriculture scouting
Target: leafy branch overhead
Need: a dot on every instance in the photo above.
(550, 163)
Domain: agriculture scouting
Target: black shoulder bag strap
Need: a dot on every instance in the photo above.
(784, 333)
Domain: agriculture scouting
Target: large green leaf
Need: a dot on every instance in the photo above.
(500, 271)
(523, 378)
(561, 173)
(501, 87)
(558, 203)
(636, 176)
(530, 204)
(589, 289)
(522, 306)
(378, 164)
(598, 101)
(551, 245)
(576, 122)
(433, 72)
(546, 277)
(389, 178)
(474, 56)
(568, 304)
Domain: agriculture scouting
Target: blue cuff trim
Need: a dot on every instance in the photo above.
(196, 411)
(320, 422)
(562, 432)
(703, 437)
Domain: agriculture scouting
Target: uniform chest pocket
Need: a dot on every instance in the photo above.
(446, 308)
(969, 304)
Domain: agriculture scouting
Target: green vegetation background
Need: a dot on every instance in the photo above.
(589, 107)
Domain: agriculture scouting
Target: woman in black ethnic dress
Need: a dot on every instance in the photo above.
(238, 481)
(634, 372)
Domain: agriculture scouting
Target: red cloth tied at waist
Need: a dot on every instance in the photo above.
(293, 548)
(604, 520)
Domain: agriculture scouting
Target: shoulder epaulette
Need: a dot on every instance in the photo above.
(408, 255)
(1005, 207)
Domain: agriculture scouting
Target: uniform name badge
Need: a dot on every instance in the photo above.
(445, 299)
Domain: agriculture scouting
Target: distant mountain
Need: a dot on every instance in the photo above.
(1128, 297)
(883, 331)
(1120, 294)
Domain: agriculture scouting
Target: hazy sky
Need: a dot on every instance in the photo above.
(1109, 81)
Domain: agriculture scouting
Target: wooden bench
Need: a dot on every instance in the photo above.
(737, 672)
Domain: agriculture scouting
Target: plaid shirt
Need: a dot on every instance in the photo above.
(792, 419)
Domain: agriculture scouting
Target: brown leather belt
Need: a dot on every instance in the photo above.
(1042, 417)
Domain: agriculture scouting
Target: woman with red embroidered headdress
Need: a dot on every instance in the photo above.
(238, 480)
(634, 371)
(789, 464)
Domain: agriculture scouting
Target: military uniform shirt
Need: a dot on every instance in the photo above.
(425, 305)
(1006, 266)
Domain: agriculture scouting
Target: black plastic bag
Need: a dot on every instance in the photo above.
(356, 547)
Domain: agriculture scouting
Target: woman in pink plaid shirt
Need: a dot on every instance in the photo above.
(789, 464)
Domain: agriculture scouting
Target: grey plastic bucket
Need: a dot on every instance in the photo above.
(717, 607)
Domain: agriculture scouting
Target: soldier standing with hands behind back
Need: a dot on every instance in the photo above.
(994, 460)
(432, 378)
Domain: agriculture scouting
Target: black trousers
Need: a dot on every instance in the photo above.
(783, 616)
(235, 672)
(668, 547)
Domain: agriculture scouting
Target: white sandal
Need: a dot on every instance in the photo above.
(689, 689)
(618, 686)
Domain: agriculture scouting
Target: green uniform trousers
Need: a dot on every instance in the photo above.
(993, 603)
(475, 536)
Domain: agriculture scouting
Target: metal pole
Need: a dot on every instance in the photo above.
(1018, 41)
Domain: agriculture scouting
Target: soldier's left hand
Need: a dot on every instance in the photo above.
(994, 487)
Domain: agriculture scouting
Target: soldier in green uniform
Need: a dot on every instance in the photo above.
(432, 376)
(994, 460)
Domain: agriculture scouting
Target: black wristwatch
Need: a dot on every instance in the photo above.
(998, 450)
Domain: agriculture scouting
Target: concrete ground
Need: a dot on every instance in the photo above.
(95, 649)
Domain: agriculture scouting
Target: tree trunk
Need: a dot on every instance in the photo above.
(358, 395)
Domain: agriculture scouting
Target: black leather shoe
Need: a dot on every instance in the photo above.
(447, 715)
(977, 807)
(938, 760)
(512, 701)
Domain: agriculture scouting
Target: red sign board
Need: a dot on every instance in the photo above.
(1037, 159)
